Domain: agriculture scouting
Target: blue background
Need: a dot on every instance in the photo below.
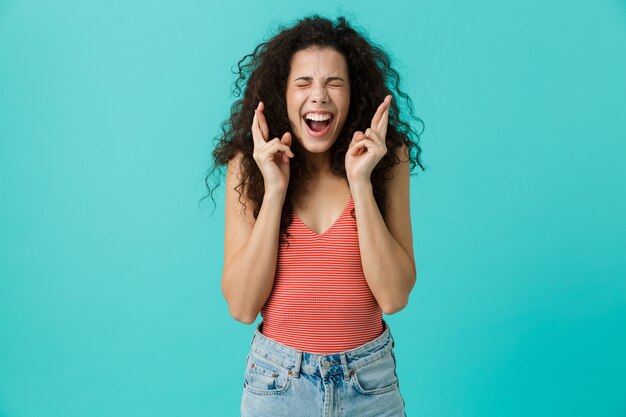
(110, 297)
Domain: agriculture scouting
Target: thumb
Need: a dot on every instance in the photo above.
(286, 139)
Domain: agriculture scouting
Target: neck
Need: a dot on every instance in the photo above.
(317, 163)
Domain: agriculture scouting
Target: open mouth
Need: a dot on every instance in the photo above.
(318, 124)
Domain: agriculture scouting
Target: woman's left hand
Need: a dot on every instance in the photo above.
(368, 148)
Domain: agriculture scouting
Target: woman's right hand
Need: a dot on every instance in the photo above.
(272, 156)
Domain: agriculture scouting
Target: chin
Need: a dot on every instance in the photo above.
(315, 145)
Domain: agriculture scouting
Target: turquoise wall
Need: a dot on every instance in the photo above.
(110, 298)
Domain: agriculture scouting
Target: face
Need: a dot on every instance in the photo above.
(318, 97)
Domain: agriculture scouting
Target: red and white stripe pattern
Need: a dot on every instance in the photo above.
(320, 302)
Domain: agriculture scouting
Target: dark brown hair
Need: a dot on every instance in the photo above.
(262, 76)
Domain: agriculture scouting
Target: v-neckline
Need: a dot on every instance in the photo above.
(331, 226)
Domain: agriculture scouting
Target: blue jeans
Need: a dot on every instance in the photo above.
(282, 381)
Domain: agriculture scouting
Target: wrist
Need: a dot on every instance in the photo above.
(360, 187)
(275, 194)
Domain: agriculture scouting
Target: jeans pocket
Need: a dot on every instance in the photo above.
(377, 377)
(264, 377)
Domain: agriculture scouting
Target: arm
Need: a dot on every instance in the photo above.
(387, 249)
(251, 246)
(250, 249)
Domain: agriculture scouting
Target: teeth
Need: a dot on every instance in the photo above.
(318, 117)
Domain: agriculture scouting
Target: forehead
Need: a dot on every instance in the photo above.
(318, 62)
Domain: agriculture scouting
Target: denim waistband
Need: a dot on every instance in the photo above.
(296, 361)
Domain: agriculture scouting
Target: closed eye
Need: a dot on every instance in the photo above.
(334, 85)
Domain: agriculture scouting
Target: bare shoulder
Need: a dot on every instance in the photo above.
(398, 217)
(238, 221)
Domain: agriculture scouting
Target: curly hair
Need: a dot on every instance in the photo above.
(262, 76)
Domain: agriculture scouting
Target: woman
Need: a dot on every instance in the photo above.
(315, 148)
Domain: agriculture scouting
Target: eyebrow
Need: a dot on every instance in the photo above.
(327, 79)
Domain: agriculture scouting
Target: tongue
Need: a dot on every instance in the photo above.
(317, 126)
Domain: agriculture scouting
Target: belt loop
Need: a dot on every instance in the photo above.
(344, 365)
(295, 371)
(256, 331)
(393, 342)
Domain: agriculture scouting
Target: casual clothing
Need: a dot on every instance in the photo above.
(320, 301)
(323, 348)
(282, 381)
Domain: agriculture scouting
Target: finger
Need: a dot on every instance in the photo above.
(379, 113)
(278, 146)
(384, 120)
(356, 137)
(256, 133)
(262, 122)
(286, 139)
(373, 135)
(359, 148)
(370, 145)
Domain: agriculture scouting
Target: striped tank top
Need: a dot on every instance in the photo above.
(320, 302)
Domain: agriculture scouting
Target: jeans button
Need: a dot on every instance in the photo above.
(325, 364)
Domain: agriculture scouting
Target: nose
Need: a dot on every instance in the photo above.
(319, 94)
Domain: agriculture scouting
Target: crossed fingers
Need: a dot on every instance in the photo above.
(260, 136)
(376, 133)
